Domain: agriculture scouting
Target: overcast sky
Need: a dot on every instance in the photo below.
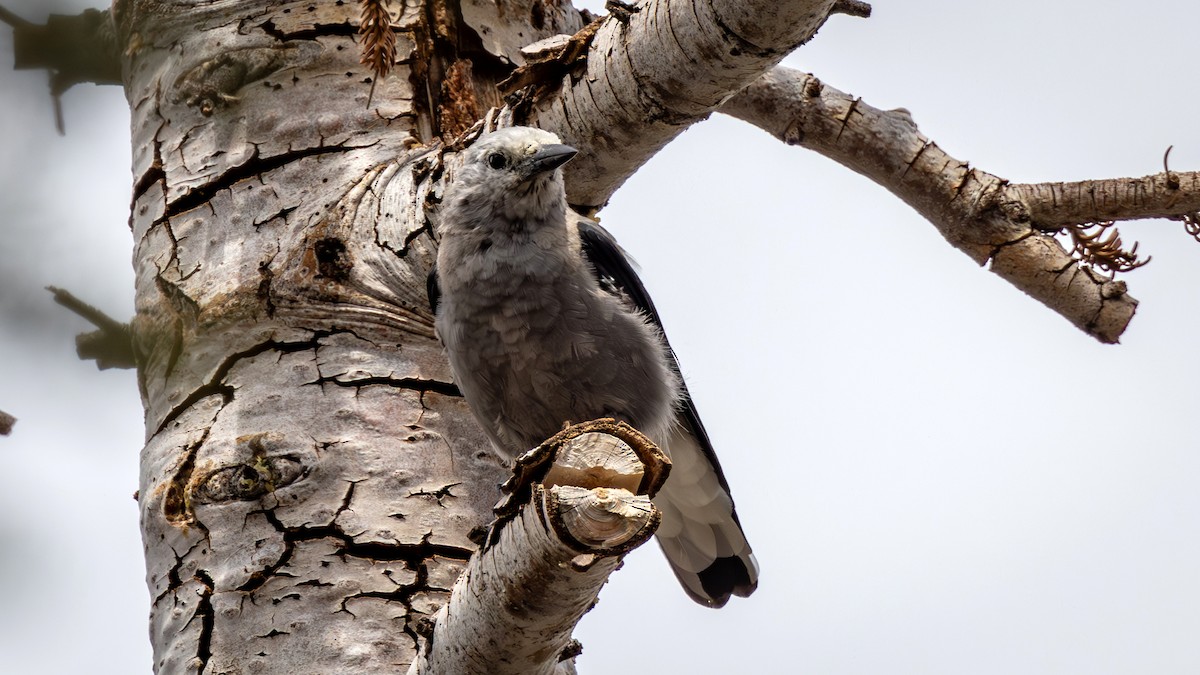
(938, 474)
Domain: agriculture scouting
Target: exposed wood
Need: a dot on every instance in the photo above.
(513, 610)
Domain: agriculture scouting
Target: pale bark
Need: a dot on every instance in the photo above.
(311, 476)
(981, 214)
(657, 70)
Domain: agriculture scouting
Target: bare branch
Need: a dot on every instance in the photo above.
(981, 214)
(513, 610)
(852, 8)
(1162, 195)
(109, 347)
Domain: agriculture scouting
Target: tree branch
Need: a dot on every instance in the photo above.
(513, 610)
(75, 49)
(652, 71)
(981, 214)
(109, 347)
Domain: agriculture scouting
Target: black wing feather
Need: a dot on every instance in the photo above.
(615, 272)
(432, 289)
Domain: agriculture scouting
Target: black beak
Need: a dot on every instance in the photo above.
(550, 157)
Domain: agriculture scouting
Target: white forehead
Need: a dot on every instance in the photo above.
(517, 140)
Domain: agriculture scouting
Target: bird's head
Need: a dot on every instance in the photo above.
(513, 173)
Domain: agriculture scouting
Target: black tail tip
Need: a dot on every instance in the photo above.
(725, 577)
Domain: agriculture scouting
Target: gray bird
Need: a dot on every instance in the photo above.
(545, 321)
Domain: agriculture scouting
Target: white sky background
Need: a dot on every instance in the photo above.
(938, 474)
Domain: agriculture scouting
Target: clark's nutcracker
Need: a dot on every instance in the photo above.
(545, 321)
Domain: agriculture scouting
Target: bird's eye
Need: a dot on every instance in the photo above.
(497, 160)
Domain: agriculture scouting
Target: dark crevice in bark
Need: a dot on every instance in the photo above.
(332, 261)
(413, 383)
(437, 495)
(344, 29)
(452, 74)
(217, 386)
(174, 580)
(260, 577)
(409, 238)
(204, 611)
(255, 166)
(154, 174)
(412, 555)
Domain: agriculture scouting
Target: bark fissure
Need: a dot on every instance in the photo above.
(204, 612)
(414, 384)
(256, 166)
(216, 385)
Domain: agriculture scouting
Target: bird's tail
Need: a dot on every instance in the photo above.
(700, 533)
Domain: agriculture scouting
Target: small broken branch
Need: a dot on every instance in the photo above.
(513, 610)
(74, 48)
(109, 347)
(985, 216)
(6, 423)
(856, 8)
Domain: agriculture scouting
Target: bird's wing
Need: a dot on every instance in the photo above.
(700, 532)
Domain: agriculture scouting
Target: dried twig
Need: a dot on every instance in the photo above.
(378, 40)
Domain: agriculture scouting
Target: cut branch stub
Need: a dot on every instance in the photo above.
(109, 347)
(548, 553)
(609, 521)
(599, 453)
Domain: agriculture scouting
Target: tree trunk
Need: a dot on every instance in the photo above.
(311, 478)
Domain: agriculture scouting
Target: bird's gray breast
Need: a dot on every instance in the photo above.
(534, 342)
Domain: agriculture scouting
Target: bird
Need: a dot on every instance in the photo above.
(545, 321)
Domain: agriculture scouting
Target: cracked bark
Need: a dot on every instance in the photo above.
(311, 476)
